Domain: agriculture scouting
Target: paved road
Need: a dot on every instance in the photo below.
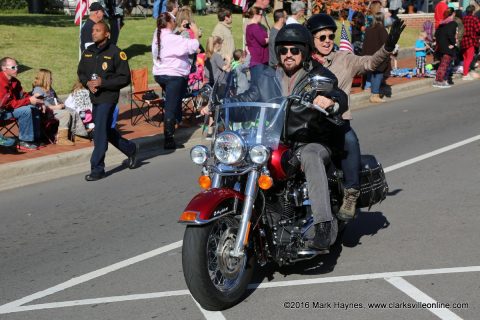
(119, 241)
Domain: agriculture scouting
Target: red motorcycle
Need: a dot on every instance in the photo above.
(255, 206)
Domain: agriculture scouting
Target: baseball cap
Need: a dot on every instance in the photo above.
(95, 6)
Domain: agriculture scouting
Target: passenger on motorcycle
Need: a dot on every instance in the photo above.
(346, 65)
(307, 130)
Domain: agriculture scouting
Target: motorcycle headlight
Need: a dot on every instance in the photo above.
(229, 148)
(199, 154)
(259, 154)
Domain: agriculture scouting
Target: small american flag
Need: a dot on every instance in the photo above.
(80, 10)
(345, 44)
(241, 3)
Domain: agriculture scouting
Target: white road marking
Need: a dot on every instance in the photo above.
(75, 303)
(210, 315)
(89, 276)
(276, 284)
(367, 276)
(419, 296)
(431, 154)
(15, 305)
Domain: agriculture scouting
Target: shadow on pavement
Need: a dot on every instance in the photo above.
(365, 224)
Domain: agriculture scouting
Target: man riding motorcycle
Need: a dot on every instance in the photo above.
(306, 129)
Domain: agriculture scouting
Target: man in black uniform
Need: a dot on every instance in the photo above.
(104, 70)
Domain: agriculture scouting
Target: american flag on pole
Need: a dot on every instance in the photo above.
(241, 3)
(80, 10)
(345, 44)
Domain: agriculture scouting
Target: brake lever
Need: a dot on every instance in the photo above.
(335, 119)
(318, 108)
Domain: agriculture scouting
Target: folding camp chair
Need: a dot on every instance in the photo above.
(8, 124)
(144, 100)
(191, 103)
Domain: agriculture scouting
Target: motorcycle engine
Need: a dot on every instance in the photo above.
(288, 212)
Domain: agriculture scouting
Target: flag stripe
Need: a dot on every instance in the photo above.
(345, 44)
(241, 3)
(80, 10)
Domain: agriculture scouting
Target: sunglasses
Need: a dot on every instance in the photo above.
(12, 67)
(323, 37)
(284, 50)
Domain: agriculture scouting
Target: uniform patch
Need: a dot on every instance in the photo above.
(123, 55)
(104, 66)
(107, 57)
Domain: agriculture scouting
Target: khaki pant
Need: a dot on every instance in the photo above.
(70, 119)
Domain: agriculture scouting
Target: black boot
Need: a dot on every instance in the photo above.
(169, 131)
(323, 236)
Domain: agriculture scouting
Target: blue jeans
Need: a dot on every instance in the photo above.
(377, 78)
(175, 89)
(351, 163)
(255, 72)
(28, 118)
(103, 134)
(368, 81)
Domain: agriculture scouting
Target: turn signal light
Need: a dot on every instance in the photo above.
(265, 182)
(205, 182)
(188, 216)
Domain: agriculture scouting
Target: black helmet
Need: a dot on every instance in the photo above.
(319, 22)
(295, 34)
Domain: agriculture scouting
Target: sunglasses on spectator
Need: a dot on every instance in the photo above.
(323, 37)
(12, 67)
(284, 50)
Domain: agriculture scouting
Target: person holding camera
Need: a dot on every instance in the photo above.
(171, 67)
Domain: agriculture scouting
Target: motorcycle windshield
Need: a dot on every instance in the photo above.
(256, 122)
(255, 111)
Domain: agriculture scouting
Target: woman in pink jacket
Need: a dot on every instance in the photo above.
(171, 68)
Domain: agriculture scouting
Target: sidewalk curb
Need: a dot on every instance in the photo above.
(25, 172)
(359, 99)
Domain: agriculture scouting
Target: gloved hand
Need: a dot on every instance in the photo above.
(395, 31)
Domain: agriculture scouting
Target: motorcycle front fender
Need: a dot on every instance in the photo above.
(210, 205)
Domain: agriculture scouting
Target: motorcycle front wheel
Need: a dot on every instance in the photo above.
(216, 280)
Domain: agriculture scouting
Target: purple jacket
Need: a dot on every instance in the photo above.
(257, 45)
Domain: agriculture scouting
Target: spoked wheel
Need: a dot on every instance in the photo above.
(215, 279)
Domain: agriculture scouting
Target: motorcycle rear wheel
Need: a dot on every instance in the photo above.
(215, 280)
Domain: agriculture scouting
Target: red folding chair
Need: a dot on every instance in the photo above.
(141, 106)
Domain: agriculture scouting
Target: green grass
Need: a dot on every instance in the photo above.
(51, 42)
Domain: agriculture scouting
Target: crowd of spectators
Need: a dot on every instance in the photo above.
(177, 54)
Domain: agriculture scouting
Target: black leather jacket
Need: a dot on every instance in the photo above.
(302, 125)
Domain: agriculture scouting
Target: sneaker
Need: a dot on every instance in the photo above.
(6, 141)
(450, 82)
(27, 146)
(468, 77)
(440, 84)
(347, 210)
(209, 136)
